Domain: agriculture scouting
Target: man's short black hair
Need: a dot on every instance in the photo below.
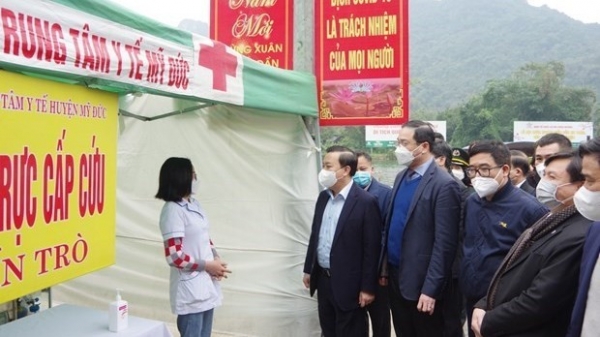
(590, 148)
(521, 163)
(347, 157)
(564, 144)
(518, 153)
(495, 148)
(442, 149)
(364, 155)
(573, 168)
(438, 137)
(423, 132)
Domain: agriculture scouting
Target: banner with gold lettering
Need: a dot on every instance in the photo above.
(361, 61)
(259, 29)
(57, 182)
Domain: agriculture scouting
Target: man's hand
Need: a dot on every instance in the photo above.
(365, 299)
(426, 304)
(306, 280)
(476, 321)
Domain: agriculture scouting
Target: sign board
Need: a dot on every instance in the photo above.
(261, 30)
(577, 132)
(57, 182)
(66, 40)
(386, 135)
(361, 61)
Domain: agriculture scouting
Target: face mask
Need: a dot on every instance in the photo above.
(540, 168)
(362, 178)
(195, 185)
(556, 194)
(327, 178)
(588, 203)
(485, 186)
(545, 192)
(404, 156)
(459, 174)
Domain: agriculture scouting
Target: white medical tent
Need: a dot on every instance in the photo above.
(256, 162)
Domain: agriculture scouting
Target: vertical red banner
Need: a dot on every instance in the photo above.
(361, 61)
(259, 29)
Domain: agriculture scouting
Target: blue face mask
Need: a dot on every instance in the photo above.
(362, 178)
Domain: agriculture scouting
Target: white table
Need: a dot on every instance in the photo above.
(73, 321)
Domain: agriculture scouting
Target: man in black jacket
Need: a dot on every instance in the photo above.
(533, 291)
(379, 309)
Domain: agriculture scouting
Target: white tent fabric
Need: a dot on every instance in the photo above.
(258, 183)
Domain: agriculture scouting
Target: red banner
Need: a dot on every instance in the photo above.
(362, 61)
(259, 29)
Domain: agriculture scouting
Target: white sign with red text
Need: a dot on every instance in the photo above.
(386, 135)
(577, 132)
(54, 37)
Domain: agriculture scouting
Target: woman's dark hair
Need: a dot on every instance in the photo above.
(175, 179)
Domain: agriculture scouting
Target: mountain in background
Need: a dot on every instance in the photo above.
(456, 46)
(459, 45)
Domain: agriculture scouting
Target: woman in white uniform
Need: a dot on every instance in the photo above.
(196, 268)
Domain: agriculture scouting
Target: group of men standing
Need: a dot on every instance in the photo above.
(407, 249)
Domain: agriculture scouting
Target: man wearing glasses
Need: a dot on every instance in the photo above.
(494, 218)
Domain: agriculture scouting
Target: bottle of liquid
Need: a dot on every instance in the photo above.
(117, 314)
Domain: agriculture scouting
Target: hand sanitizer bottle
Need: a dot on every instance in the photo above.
(117, 314)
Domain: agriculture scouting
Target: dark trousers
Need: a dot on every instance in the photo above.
(334, 321)
(469, 304)
(408, 321)
(379, 312)
(453, 310)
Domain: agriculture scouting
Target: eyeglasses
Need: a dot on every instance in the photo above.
(483, 171)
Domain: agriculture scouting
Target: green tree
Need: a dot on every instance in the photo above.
(350, 136)
(535, 92)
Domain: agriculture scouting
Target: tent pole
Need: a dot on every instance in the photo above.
(168, 114)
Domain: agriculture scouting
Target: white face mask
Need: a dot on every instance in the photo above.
(459, 174)
(588, 203)
(545, 192)
(195, 186)
(486, 186)
(404, 156)
(327, 178)
(540, 169)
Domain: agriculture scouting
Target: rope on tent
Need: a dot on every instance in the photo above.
(168, 114)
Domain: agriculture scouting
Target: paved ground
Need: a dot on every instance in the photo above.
(173, 329)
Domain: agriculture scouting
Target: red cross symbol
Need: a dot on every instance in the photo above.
(217, 59)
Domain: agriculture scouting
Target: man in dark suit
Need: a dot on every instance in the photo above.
(590, 264)
(421, 234)
(379, 310)
(453, 311)
(494, 218)
(585, 320)
(519, 171)
(533, 290)
(341, 260)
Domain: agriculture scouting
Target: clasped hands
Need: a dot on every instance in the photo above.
(217, 269)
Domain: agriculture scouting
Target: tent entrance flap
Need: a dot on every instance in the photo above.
(126, 113)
